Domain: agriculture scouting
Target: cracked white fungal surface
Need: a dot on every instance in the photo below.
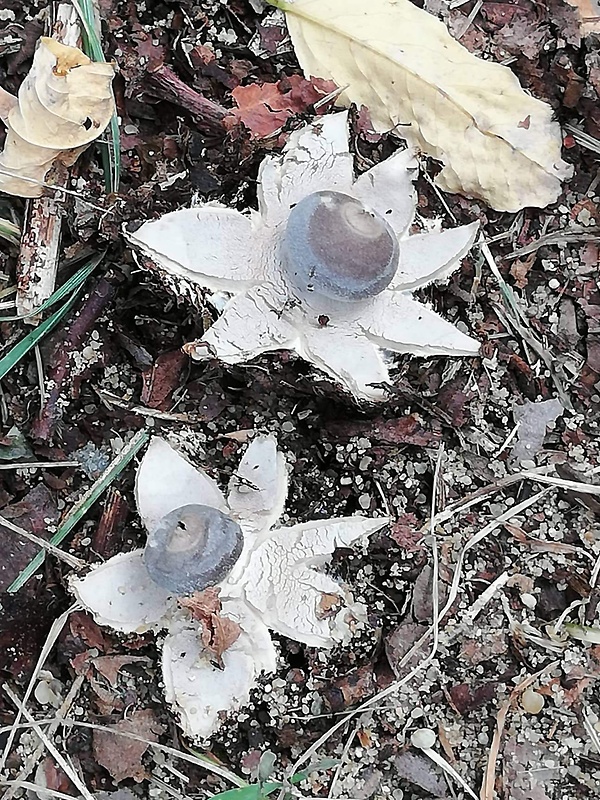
(274, 585)
(224, 250)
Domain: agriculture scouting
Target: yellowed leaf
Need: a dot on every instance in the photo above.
(589, 14)
(64, 103)
(496, 142)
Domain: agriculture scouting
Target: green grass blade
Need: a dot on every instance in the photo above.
(255, 791)
(10, 232)
(81, 508)
(92, 46)
(37, 334)
(72, 284)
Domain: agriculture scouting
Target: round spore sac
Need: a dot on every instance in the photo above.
(335, 247)
(192, 547)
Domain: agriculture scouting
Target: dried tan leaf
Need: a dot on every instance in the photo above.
(496, 142)
(589, 14)
(64, 103)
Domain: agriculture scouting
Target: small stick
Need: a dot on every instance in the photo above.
(72, 561)
(40, 242)
(210, 116)
(67, 344)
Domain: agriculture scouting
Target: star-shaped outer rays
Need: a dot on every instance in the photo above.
(275, 585)
(223, 249)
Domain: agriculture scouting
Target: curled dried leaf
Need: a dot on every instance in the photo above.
(218, 632)
(64, 103)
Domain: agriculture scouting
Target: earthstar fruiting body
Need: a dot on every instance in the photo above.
(281, 300)
(274, 583)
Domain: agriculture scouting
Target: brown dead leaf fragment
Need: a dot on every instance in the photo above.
(33, 513)
(404, 430)
(122, 756)
(351, 689)
(398, 643)
(162, 379)
(110, 666)
(84, 628)
(265, 107)
(329, 605)
(218, 633)
(419, 771)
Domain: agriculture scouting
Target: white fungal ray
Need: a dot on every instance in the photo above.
(388, 189)
(315, 158)
(284, 587)
(431, 257)
(270, 329)
(258, 490)
(121, 595)
(397, 322)
(223, 263)
(269, 313)
(348, 358)
(202, 692)
(166, 480)
(276, 583)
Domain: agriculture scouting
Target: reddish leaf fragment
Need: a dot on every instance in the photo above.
(83, 627)
(161, 381)
(50, 776)
(466, 698)
(271, 37)
(364, 126)
(265, 107)
(110, 666)
(122, 756)
(218, 633)
(35, 512)
(455, 403)
(406, 532)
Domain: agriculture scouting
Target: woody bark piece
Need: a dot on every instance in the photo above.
(67, 345)
(40, 241)
(106, 539)
(209, 116)
(38, 256)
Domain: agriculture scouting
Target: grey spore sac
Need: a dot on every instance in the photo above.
(193, 547)
(337, 248)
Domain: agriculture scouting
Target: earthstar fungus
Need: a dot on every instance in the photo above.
(326, 267)
(272, 583)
